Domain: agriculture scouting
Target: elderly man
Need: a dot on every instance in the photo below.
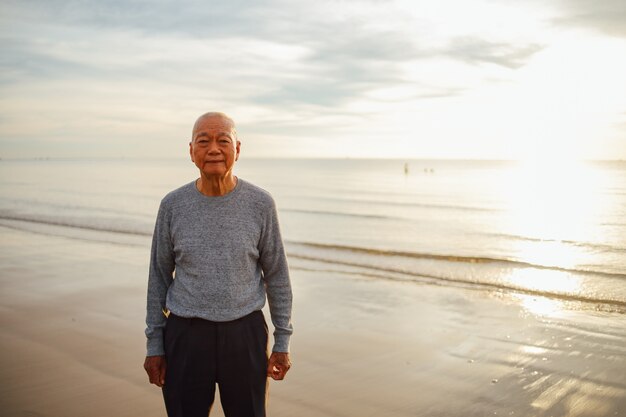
(216, 253)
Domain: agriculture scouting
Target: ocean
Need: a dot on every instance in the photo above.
(530, 231)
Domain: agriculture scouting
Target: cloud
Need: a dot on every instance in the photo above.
(333, 55)
(477, 51)
(335, 73)
(101, 40)
(606, 16)
(197, 17)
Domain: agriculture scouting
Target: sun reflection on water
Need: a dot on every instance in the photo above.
(545, 281)
(541, 306)
(554, 202)
(551, 207)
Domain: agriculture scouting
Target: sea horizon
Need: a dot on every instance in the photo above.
(183, 154)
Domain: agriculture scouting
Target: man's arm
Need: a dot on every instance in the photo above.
(159, 279)
(279, 293)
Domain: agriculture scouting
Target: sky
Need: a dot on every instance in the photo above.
(462, 79)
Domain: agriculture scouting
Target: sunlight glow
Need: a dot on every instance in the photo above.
(533, 350)
(553, 206)
(549, 281)
(556, 203)
(541, 306)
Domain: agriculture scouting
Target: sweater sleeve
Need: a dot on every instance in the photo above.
(159, 279)
(277, 282)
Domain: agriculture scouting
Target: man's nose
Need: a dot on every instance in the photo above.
(212, 148)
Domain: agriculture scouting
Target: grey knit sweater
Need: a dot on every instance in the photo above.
(216, 258)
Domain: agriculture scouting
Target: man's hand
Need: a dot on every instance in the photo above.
(155, 368)
(278, 365)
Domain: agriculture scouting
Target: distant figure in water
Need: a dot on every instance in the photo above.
(406, 168)
(220, 236)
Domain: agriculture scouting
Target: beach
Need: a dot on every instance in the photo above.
(73, 344)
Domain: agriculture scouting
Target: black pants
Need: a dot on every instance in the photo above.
(201, 353)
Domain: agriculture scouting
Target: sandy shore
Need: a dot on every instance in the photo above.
(72, 343)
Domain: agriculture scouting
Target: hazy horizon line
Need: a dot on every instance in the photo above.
(154, 158)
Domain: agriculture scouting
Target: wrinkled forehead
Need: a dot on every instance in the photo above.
(213, 124)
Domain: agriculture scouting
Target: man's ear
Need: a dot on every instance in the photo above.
(191, 152)
(238, 148)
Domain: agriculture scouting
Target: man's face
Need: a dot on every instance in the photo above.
(214, 147)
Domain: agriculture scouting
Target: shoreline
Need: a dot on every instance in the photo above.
(73, 314)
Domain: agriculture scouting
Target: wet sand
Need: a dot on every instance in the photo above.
(73, 345)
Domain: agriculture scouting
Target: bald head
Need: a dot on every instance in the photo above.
(214, 147)
(214, 115)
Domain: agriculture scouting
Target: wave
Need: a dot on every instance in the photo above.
(110, 228)
(457, 258)
(137, 230)
(375, 216)
(73, 237)
(23, 202)
(338, 213)
(123, 227)
(613, 304)
(365, 268)
(389, 202)
(591, 245)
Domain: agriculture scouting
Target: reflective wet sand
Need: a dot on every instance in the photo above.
(73, 344)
